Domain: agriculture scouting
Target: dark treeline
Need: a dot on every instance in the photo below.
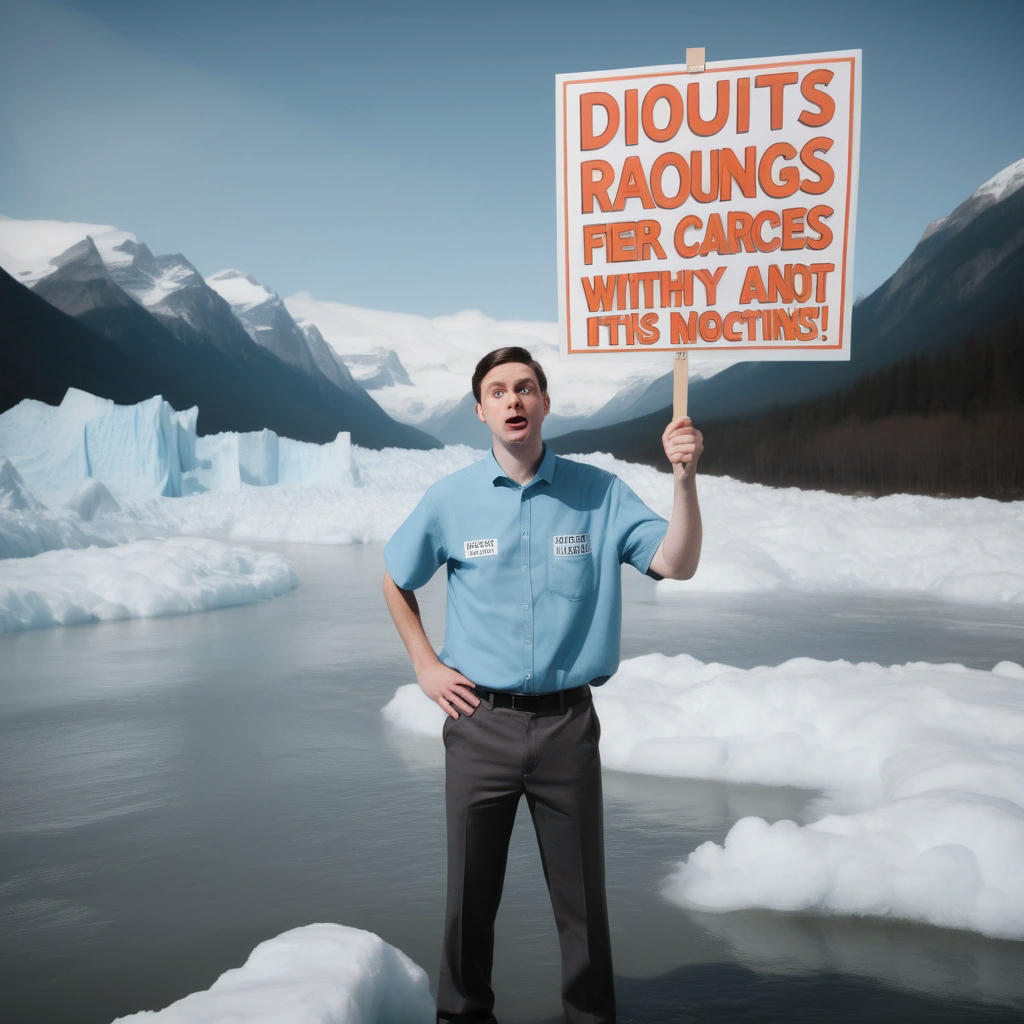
(945, 423)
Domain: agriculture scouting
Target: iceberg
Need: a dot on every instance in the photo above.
(151, 449)
(28, 527)
(316, 974)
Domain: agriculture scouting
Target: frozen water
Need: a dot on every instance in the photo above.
(317, 974)
(150, 449)
(136, 580)
(91, 473)
(922, 767)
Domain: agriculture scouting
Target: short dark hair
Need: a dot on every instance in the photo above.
(509, 354)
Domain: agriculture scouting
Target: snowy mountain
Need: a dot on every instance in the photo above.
(417, 368)
(932, 400)
(993, 191)
(964, 275)
(156, 327)
(438, 355)
(268, 322)
(380, 368)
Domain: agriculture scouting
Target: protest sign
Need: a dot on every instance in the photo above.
(709, 211)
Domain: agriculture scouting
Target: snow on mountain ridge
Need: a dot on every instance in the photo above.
(29, 247)
(439, 353)
(995, 190)
(1000, 185)
(239, 290)
(268, 322)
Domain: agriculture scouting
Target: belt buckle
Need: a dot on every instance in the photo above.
(520, 701)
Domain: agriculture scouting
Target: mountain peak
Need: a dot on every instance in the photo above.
(993, 191)
(239, 290)
(1007, 181)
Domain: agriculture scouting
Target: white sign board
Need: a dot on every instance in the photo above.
(711, 211)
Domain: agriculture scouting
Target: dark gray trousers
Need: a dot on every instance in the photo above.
(493, 757)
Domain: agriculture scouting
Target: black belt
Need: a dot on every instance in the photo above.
(536, 703)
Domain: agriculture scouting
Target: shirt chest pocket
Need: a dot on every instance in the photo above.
(571, 567)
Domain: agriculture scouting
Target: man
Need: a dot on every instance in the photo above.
(533, 544)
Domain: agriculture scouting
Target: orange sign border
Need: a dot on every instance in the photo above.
(732, 346)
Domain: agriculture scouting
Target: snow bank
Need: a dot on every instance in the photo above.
(390, 484)
(759, 538)
(150, 449)
(923, 768)
(318, 974)
(756, 539)
(137, 580)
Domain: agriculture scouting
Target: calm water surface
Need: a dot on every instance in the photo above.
(175, 791)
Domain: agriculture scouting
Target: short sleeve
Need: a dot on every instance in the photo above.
(416, 549)
(639, 529)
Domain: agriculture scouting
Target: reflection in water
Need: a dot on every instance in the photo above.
(897, 954)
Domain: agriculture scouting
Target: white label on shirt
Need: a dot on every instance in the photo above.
(479, 548)
(572, 544)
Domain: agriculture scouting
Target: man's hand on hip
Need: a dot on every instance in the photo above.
(451, 690)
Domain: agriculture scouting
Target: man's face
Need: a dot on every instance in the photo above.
(512, 404)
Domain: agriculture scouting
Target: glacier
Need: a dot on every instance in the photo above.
(150, 448)
(89, 473)
(314, 974)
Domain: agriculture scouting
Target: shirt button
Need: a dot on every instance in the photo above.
(527, 675)
(524, 568)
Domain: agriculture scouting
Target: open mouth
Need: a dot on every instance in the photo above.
(516, 422)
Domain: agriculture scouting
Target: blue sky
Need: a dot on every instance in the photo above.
(400, 155)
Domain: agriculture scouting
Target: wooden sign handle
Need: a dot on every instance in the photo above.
(680, 384)
(695, 63)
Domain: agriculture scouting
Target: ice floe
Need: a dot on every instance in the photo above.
(921, 769)
(139, 579)
(316, 974)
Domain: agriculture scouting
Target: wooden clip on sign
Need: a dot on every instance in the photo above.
(709, 207)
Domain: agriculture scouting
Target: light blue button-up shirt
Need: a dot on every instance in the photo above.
(534, 588)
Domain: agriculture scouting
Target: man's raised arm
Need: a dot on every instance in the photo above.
(450, 689)
(679, 553)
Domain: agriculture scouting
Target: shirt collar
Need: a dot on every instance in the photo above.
(498, 476)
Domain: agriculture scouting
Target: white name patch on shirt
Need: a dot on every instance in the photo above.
(572, 544)
(480, 548)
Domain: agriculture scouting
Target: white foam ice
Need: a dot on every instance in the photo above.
(316, 974)
(922, 767)
(140, 579)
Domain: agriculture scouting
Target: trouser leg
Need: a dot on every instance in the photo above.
(483, 783)
(563, 790)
